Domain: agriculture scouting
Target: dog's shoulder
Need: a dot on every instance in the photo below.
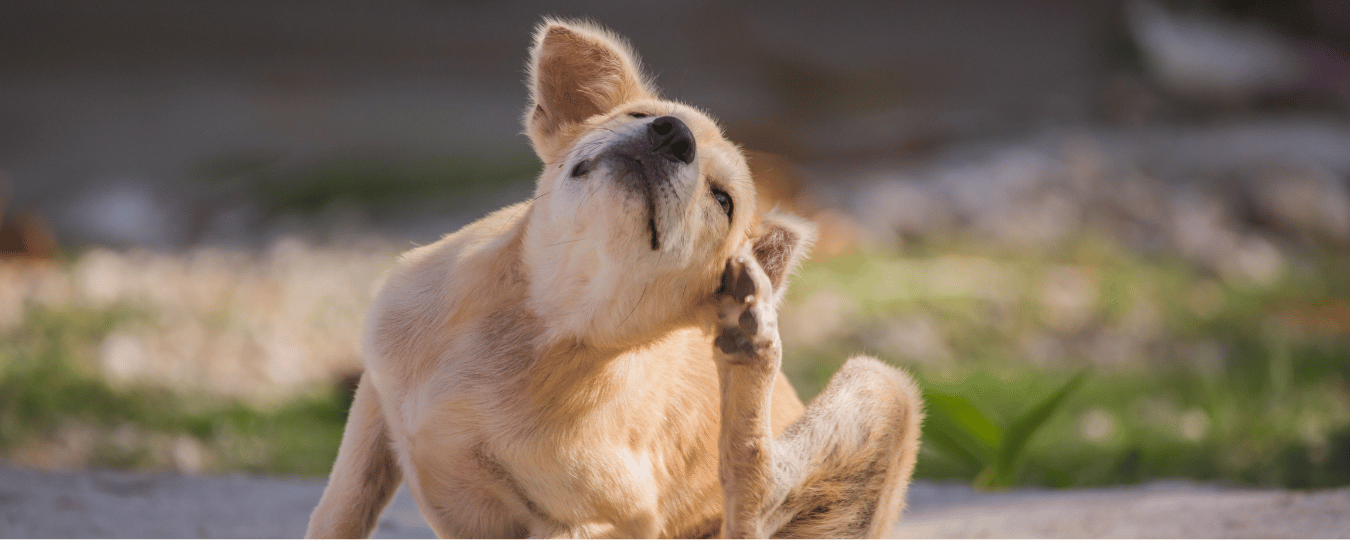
(434, 289)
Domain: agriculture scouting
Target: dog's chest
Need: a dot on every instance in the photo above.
(597, 485)
(539, 485)
(581, 447)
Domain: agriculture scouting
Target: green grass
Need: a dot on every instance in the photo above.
(1232, 381)
(1193, 374)
(48, 384)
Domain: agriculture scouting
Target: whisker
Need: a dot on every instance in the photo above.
(527, 205)
(638, 303)
(565, 242)
(595, 186)
(659, 259)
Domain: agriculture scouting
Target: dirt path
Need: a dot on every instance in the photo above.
(117, 504)
(1158, 510)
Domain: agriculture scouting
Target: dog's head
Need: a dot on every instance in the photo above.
(641, 200)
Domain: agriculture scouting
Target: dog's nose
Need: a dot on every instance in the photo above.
(672, 139)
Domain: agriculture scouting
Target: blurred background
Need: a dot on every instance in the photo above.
(1111, 238)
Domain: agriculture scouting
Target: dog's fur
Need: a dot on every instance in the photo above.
(603, 360)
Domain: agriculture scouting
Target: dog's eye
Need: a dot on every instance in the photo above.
(723, 199)
(582, 167)
(638, 114)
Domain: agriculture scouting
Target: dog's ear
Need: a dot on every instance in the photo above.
(577, 70)
(780, 243)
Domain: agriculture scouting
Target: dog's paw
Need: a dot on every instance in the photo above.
(748, 325)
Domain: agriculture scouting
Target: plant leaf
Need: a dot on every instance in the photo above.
(1027, 425)
(940, 435)
(961, 428)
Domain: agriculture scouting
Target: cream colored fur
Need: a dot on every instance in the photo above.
(551, 369)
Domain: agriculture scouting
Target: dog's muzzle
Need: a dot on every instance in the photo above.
(646, 162)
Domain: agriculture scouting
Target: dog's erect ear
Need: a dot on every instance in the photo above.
(577, 70)
(781, 242)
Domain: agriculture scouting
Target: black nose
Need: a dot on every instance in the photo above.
(671, 139)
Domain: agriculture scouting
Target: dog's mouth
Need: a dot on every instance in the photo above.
(648, 162)
(636, 176)
(651, 217)
(656, 238)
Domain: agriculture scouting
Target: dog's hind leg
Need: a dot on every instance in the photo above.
(843, 468)
(845, 464)
(364, 476)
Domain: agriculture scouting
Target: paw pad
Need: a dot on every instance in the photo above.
(747, 329)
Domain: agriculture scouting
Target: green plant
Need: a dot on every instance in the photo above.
(958, 427)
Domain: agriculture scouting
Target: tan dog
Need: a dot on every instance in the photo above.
(603, 360)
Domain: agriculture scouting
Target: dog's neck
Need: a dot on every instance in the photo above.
(584, 296)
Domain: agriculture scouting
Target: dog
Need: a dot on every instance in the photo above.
(603, 360)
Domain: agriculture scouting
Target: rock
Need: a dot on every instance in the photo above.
(902, 206)
(126, 212)
(1309, 202)
(1205, 57)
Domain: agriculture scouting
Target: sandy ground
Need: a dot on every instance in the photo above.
(130, 505)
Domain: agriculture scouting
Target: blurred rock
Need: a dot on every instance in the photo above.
(1193, 425)
(901, 206)
(1203, 227)
(1043, 349)
(1231, 198)
(127, 212)
(1097, 425)
(914, 338)
(823, 316)
(259, 327)
(1251, 55)
(1114, 348)
(1312, 203)
(1069, 297)
(1253, 260)
(1206, 57)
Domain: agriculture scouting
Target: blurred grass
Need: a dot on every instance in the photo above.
(56, 410)
(1196, 375)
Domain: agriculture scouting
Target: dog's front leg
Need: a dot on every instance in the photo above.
(749, 354)
(365, 475)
